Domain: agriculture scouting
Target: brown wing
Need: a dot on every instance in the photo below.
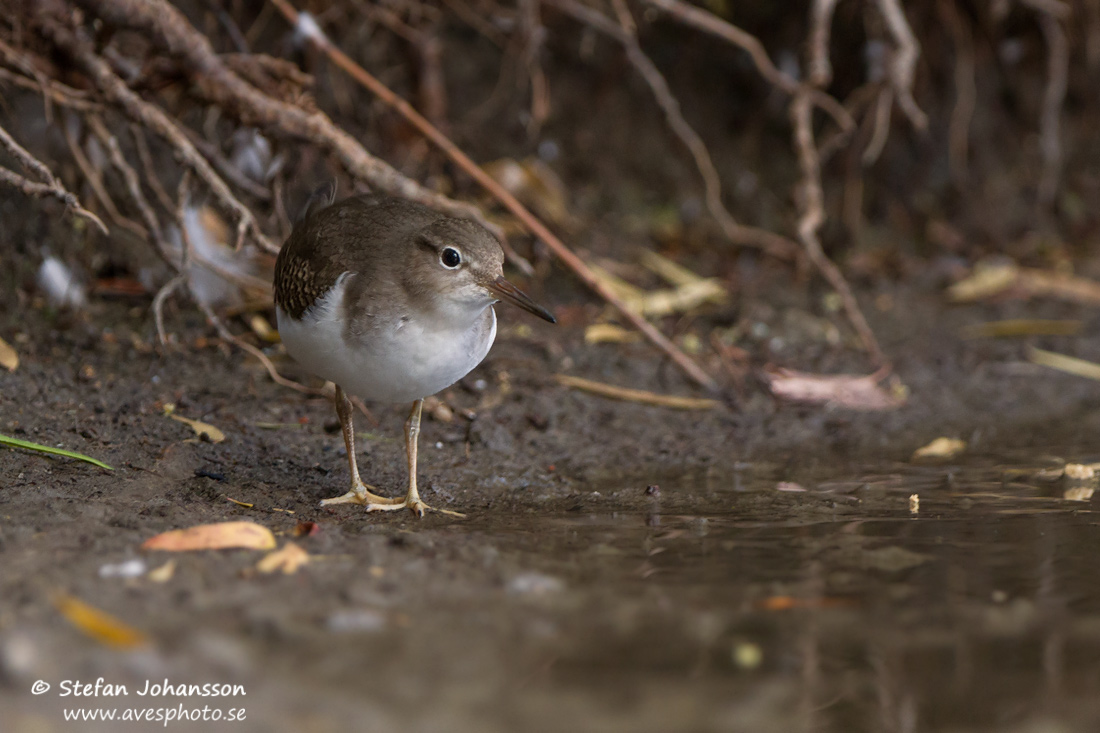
(349, 236)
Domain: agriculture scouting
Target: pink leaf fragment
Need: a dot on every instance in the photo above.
(852, 391)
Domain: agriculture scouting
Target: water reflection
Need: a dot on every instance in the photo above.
(845, 603)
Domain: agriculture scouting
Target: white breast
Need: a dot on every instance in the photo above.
(405, 361)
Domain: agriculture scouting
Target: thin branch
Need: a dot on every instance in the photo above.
(903, 68)
(958, 140)
(42, 190)
(821, 28)
(712, 24)
(50, 188)
(228, 335)
(774, 244)
(813, 216)
(218, 84)
(94, 179)
(146, 158)
(76, 44)
(884, 105)
(158, 305)
(133, 183)
(811, 198)
(1054, 96)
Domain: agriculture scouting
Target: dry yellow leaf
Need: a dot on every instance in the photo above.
(1079, 493)
(609, 333)
(941, 448)
(1080, 471)
(262, 328)
(164, 573)
(99, 625)
(201, 428)
(986, 280)
(9, 359)
(288, 559)
(221, 536)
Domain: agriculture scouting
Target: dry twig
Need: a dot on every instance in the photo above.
(958, 142)
(50, 187)
(904, 66)
(636, 395)
(712, 24)
(76, 44)
(774, 244)
(218, 84)
(1050, 122)
(811, 199)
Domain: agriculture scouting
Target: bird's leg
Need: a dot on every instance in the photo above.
(360, 493)
(412, 439)
(412, 435)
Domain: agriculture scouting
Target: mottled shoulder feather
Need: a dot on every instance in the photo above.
(333, 238)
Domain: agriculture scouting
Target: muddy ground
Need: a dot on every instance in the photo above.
(569, 597)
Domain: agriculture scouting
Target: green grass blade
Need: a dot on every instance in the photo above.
(17, 443)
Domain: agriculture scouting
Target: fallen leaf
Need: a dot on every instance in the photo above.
(1020, 327)
(306, 529)
(1080, 471)
(201, 429)
(889, 559)
(289, 560)
(221, 536)
(535, 184)
(914, 503)
(786, 603)
(262, 328)
(986, 280)
(666, 301)
(609, 333)
(940, 448)
(10, 442)
(99, 625)
(672, 272)
(990, 279)
(9, 359)
(1063, 363)
(164, 573)
(855, 392)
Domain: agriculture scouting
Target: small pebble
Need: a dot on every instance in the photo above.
(128, 569)
(747, 655)
(357, 620)
(536, 584)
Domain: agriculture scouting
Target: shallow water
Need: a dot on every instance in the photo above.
(845, 603)
(779, 598)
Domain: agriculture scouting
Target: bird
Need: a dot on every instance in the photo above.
(391, 301)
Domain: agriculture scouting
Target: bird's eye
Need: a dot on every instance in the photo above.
(450, 258)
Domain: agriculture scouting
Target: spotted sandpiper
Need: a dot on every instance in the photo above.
(391, 301)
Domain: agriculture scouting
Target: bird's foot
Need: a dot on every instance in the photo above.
(361, 493)
(413, 504)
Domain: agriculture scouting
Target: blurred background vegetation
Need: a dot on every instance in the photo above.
(909, 141)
